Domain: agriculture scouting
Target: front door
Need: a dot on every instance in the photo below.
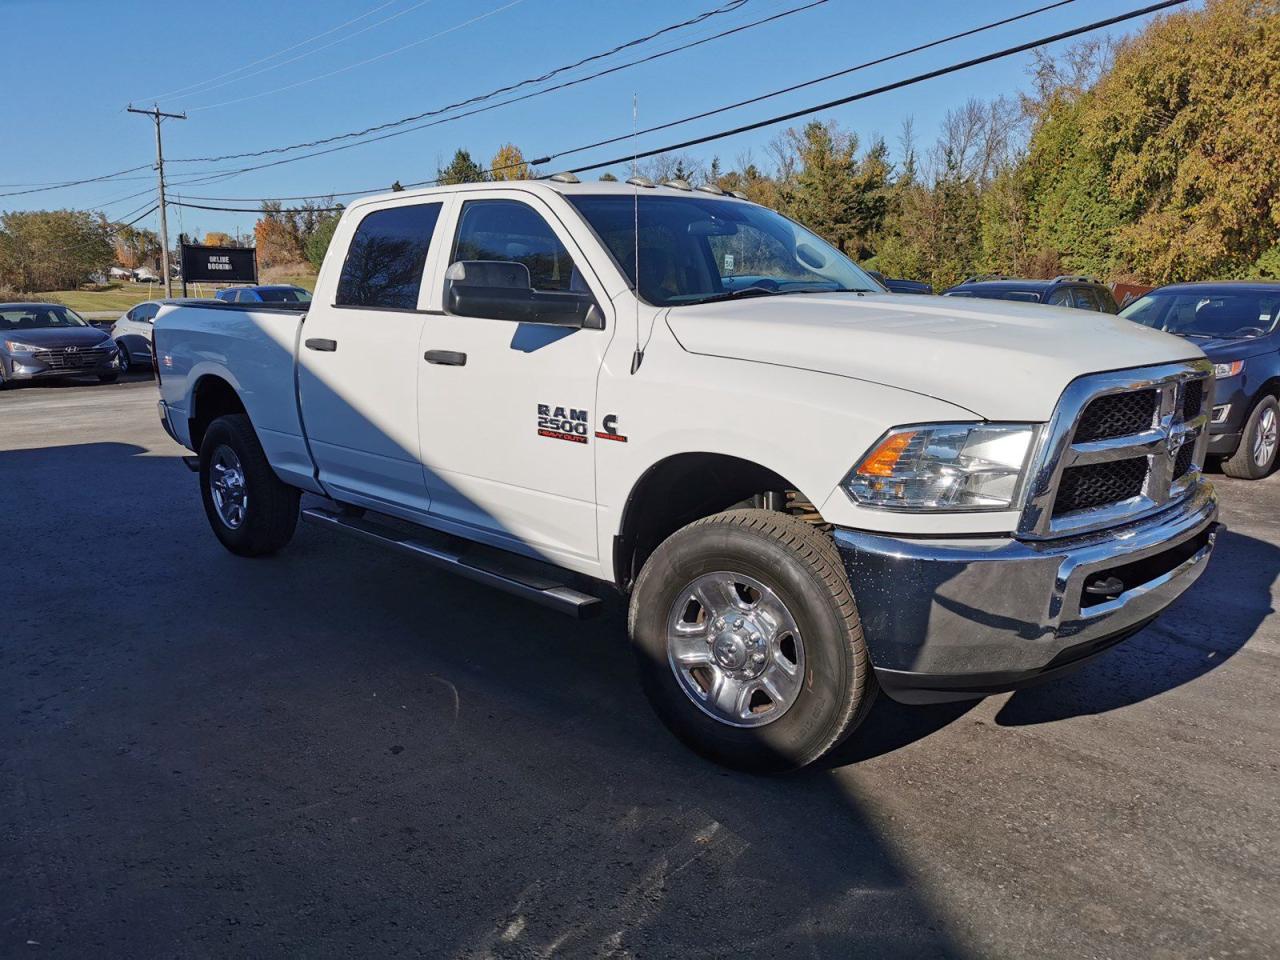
(358, 363)
(507, 410)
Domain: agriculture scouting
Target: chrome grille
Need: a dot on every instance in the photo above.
(71, 359)
(1120, 446)
(1118, 415)
(1098, 484)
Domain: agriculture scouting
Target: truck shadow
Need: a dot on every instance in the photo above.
(345, 753)
(1200, 632)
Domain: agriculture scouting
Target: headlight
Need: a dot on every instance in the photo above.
(16, 346)
(945, 467)
(1224, 370)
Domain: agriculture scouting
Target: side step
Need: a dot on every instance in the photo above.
(476, 563)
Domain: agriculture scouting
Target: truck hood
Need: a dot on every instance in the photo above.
(1003, 361)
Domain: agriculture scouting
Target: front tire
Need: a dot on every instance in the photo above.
(250, 509)
(748, 642)
(123, 351)
(1259, 443)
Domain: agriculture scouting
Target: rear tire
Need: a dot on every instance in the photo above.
(1259, 443)
(250, 509)
(778, 570)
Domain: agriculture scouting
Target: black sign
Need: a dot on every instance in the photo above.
(219, 264)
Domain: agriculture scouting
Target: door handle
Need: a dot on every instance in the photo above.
(448, 358)
(325, 346)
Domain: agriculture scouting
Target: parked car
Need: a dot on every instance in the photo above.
(810, 488)
(895, 285)
(42, 340)
(276, 293)
(132, 332)
(1081, 292)
(1235, 324)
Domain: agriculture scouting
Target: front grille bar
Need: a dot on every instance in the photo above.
(1176, 385)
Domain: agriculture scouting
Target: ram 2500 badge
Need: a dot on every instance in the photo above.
(810, 489)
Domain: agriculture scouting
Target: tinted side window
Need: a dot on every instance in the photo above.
(386, 257)
(512, 231)
(1086, 299)
(1060, 297)
(1108, 301)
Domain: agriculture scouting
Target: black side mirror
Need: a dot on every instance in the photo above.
(502, 290)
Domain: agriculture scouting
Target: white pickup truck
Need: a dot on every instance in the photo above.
(810, 488)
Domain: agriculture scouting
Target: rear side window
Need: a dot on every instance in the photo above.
(386, 257)
(1060, 297)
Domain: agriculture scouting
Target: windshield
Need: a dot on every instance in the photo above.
(696, 249)
(284, 295)
(37, 316)
(1226, 314)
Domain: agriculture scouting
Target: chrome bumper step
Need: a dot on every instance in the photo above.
(506, 572)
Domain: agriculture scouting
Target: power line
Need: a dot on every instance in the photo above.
(362, 63)
(861, 95)
(75, 183)
(705, 15)
(494, 106)
(886, 88)
(699, 116)
(295, 46)
(144, 216)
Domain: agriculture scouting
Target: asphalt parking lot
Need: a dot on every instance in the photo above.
(332, 752)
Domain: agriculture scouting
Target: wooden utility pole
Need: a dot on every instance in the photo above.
(155, 114)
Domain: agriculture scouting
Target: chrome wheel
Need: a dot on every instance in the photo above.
(1265, 438)
(735, 649)
(226, 484)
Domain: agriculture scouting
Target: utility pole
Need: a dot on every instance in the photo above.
(156, 115)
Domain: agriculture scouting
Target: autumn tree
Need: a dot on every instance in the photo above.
(136, 247)
(216, 238)
(509, 164)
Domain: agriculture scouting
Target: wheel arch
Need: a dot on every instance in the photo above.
(684, 487)
(212, 396)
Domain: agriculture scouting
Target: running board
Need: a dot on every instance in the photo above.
(485, 566)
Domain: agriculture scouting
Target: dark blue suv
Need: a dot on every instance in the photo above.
(1080, 292)
(1234, 322)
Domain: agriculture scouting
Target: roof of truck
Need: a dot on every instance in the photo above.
(591, 187)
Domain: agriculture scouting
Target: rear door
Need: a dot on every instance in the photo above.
(507, 410)
(358, 363)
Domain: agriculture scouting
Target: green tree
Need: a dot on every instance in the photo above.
(608, 177)
(317, 245)
(833, 192)
(461, 169)
(53, 249)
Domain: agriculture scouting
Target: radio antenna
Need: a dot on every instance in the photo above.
(638, 356)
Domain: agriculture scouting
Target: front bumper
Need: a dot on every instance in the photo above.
(24, 367)
(955, 619)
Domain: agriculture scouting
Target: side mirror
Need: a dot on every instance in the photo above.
(503, 290)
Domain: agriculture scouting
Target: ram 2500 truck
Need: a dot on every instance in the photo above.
(811, 489)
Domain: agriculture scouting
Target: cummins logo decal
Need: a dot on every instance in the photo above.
(609, 428)
(561, 423)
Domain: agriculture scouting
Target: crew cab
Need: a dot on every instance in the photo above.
(810, 489)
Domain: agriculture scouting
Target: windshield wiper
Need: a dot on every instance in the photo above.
(735, 294)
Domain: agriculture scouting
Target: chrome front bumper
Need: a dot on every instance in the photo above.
(953, 619)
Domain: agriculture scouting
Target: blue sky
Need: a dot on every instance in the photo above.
(63, 110)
